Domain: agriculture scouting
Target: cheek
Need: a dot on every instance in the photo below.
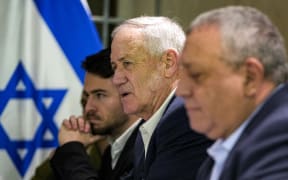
(143, 86)
(111, 105)
(200, 122)
(222, 104)
(208, 101)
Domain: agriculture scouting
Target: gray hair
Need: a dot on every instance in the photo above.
(247, 32)
(160, 33)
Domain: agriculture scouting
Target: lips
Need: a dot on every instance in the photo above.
(124, 94)
(92, 116)
(95, 122)
(124, 90)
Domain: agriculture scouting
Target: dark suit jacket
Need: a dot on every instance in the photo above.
(44, 171)
(175, 151)
(261, 153)
(70, 162)
(124, 164)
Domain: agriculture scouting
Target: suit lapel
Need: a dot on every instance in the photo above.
(205, 170)
(150, 155)
(125, 161)
(152, 148)
(231, 164)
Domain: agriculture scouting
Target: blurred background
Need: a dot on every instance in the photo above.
(108, 13)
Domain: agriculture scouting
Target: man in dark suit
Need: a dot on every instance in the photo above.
(144, 56)
(103, 114)
(234, 84)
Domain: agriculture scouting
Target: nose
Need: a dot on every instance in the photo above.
(118, 77)
(90, 104)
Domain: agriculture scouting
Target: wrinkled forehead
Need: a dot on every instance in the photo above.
(127, 34)
(127, 45)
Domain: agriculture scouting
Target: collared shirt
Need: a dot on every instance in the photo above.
(148, 127)
(220, 150)
(118, 145)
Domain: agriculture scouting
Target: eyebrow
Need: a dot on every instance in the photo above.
(121, 58)
(94, 91)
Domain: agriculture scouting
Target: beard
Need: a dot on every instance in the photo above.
(92, 115)
(101, 131)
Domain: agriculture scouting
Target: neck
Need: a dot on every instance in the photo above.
(264, 91)
(119, 131)
(153, 108)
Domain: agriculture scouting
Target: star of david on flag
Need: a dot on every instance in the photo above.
(42, 45)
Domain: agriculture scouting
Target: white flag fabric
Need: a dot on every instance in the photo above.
(42, 45)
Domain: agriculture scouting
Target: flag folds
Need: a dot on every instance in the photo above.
(42, 45)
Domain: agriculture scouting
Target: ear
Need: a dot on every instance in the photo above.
(254, 76)
(170, 59)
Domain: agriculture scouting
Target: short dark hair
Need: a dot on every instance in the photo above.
(99, 64)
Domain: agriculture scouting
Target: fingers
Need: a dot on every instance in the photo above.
(74, 122)
(76, 129)
(66, 123)
(87, 127)
(71, 123)
(69, 135)
(77, 123)
(82, 124)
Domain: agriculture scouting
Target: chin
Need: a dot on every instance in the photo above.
(202, 129)
(212, 136)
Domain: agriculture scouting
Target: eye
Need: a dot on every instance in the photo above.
(196, 76)
(126, 63)
(99, 96)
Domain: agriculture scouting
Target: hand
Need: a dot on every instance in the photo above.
(77, 123)
(76, 129)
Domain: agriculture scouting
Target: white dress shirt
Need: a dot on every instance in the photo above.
(220, 150)
(148, 127)
(118, 145)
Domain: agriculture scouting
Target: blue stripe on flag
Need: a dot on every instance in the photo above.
(72, 28)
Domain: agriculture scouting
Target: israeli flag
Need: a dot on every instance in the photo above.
(42, 45)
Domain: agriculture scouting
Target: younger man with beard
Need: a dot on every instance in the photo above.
(104, 115)
(95, 151)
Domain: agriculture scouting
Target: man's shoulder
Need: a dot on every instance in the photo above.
(175, 107)
(174, 123)
(263, 142)
(265, 134)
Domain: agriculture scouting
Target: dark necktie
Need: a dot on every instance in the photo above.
(139, 156)
(106, 168)
(205, 170)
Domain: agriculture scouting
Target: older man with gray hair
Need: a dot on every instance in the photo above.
(235, 70)
(145, 57)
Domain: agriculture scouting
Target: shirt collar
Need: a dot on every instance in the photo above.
(150, 125)
(118, 145)
(229, 143)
